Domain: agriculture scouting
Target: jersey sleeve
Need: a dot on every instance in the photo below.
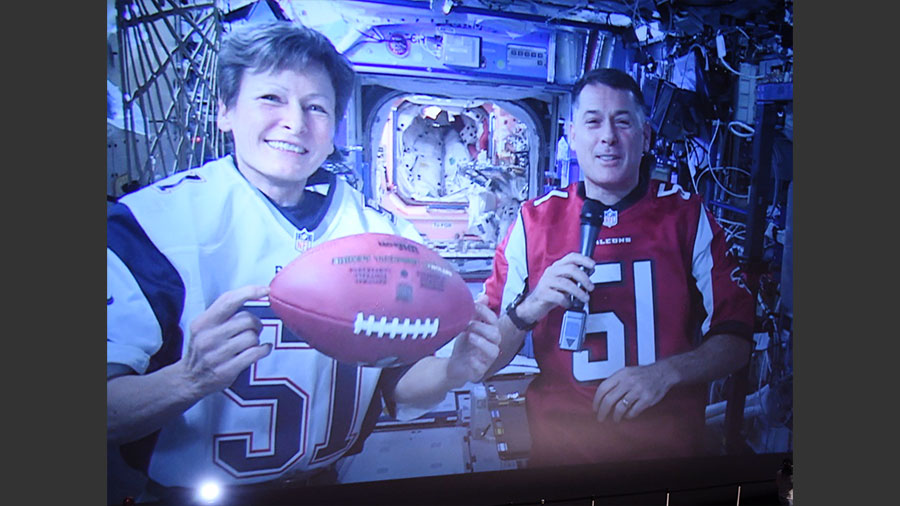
(132, 333)
(510, 270)
(728, 303)
(379, 219)
(406, 229)
(144, 300)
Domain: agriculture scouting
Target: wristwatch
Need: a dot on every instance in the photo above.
(514, 317)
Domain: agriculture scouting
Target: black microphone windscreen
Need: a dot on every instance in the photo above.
(592, 212)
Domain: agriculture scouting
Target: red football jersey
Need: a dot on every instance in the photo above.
(663, 279)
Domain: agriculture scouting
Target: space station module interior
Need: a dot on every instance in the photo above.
(460, 115)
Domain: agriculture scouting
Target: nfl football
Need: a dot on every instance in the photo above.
(372, 299)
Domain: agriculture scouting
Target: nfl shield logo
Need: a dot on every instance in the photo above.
(304, 240)
(610, 218)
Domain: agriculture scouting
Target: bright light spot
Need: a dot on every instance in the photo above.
(619, 20)
(210, 491)
(649, 32)
(432, 111)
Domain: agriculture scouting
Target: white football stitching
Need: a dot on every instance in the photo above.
(394, 327)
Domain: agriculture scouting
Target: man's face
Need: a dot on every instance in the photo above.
(609, 138)
(283, 126)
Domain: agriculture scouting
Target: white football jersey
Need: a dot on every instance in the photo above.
(174, 248)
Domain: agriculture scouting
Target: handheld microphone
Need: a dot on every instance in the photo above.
(591, 221)
(571, 334)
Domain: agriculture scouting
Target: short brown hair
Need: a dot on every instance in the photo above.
(280, 45)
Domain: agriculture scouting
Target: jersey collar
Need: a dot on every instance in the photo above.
(319, 192)
(629, 200)
(320, 188)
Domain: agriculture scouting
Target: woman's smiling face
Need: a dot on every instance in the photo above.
(283, 125)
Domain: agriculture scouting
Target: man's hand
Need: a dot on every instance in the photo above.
(476, 348)
(224, 341)
(564, 279)
(631, 390)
